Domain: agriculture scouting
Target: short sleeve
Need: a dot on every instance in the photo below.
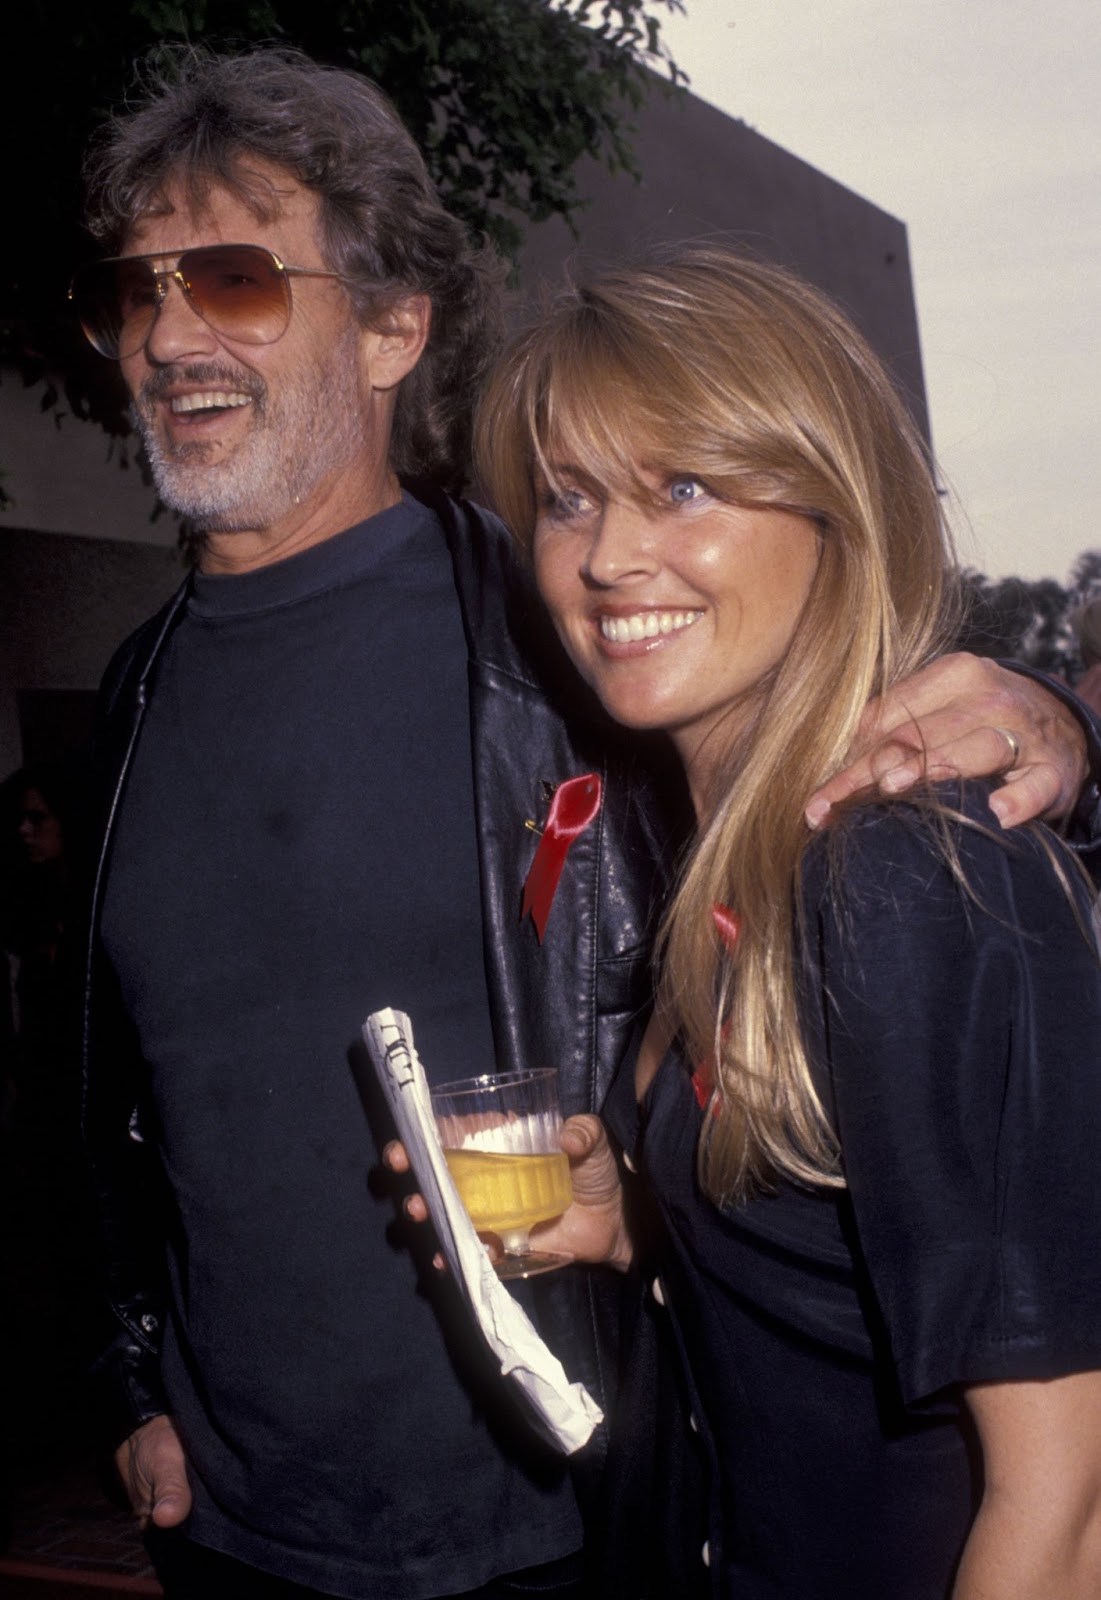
(962, 1037)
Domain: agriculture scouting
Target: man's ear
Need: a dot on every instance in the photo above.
(392, 348)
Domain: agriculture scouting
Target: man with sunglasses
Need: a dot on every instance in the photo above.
(290, 841)
(323, 766)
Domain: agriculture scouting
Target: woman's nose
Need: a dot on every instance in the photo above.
(624, 545)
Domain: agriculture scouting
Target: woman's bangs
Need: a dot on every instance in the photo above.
(590, 422)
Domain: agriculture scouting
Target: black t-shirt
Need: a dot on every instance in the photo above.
(827, 1334)
(296, 848)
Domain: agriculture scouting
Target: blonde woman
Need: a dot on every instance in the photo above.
(869, 1102)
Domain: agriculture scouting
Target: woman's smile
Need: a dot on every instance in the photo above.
(643, 626)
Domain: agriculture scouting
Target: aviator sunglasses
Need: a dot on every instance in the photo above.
(241, 291)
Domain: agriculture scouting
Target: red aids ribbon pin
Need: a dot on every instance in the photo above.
(576, 803)
(728, 924)
(703, 1082)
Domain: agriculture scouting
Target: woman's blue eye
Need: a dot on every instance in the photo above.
(556, 504)
(684, 490)
(566, 502)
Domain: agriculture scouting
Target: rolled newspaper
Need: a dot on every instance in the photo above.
(565, 1413)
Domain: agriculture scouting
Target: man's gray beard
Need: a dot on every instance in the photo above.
(310, 426)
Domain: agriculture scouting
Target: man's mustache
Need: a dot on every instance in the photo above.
(205, 374)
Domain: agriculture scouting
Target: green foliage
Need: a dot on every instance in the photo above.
(1032, 620)
(504, 97)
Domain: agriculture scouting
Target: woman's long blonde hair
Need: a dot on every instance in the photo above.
(708, 364)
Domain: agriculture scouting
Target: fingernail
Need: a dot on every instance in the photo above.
(816, 813)
(998, 808)
(897, 779)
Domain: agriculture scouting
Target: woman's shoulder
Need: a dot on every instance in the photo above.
(943, 846)
(919, 827)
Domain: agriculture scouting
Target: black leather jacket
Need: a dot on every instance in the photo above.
(572, 1000)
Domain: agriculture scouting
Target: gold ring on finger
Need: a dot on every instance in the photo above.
(1014, 748)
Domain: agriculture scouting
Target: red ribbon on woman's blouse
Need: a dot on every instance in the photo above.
(575, 805)
(728, 925)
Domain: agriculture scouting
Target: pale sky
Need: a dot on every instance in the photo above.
(978, 123)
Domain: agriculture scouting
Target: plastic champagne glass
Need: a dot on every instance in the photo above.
(501, 1137)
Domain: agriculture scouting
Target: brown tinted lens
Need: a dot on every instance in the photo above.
(238, 290)
(116, 301)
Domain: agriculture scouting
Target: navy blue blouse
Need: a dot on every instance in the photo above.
(826, 1334)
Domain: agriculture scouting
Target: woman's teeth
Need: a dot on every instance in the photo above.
(646, 625)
